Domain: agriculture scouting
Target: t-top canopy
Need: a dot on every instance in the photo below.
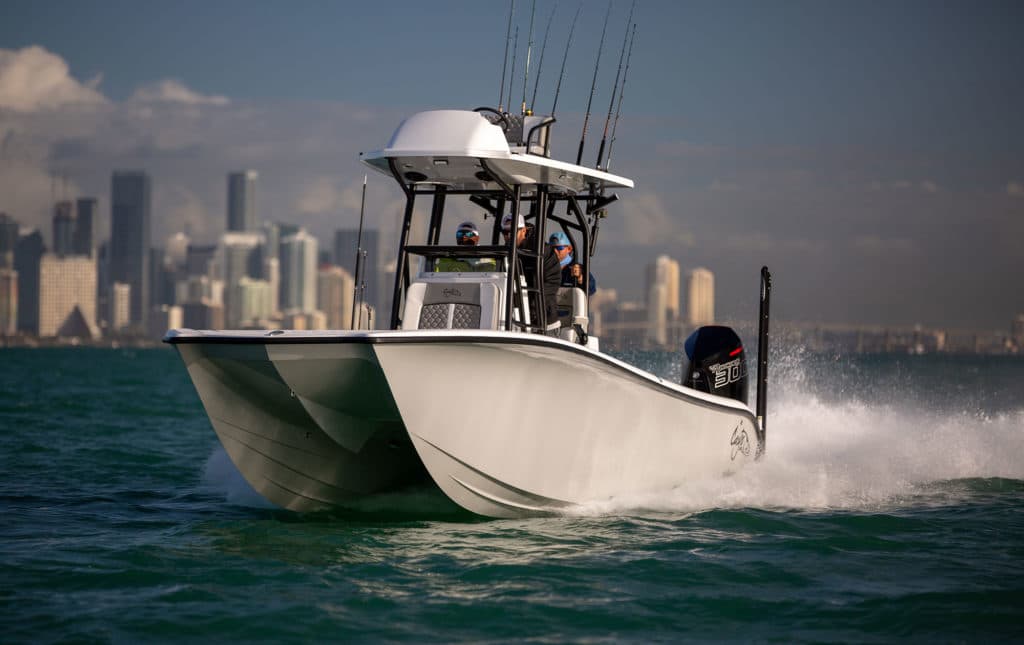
(463, 150)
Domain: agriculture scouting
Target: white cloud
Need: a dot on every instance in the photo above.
(33, 79)
(1015, 189)
(172, 91)
(645, 220)
(324, 194)
(28, 192)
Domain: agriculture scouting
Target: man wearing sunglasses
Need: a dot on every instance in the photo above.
(572, 272)
(467, 234)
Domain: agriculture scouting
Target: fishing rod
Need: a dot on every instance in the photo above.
(515, 48)
(622, 92)
(529, 49)
(540, 63)
(360, 290)
(504, 61)
(615, 88)
(593, 84)
(565, 56)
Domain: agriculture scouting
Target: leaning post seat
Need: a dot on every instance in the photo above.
(572, 313)
(454, 301)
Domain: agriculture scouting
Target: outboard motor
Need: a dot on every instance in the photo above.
(716, 363)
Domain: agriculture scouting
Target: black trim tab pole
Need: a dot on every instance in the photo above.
(762, 357)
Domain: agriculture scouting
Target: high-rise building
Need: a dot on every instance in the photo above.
(63, 228)
(120, 299)
(662, 300)
(199, 260)
(238, 256)
(130, 215)
(335, 292)
(201, 315)
(346, 242)
(298, 272)
(199, 289)
(8, 301)
(272, 274)
(242, 201)
(8, 240)
(27, 254)
(163, 318)
(271, 239)
(700, 303)
(665, 271)
(85, 226)
(250, 303)
(1017, 332)
(103, 285)
(67, 296)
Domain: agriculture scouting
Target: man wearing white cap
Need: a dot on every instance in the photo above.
(526, 239)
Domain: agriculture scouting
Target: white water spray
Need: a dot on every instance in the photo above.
(861, 453)
(222, 477)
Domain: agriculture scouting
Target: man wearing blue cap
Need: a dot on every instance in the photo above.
(572, 272)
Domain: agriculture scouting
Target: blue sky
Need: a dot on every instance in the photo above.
(872, 151)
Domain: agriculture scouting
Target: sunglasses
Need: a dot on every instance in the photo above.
(561, 247)
(461, 234)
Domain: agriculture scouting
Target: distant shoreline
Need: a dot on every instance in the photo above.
(29, 342)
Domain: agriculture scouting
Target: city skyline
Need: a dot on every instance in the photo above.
(877, 171)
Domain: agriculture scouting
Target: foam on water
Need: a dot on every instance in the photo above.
(869, 449)
(222, 477)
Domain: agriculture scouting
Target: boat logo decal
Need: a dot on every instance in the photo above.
(726, 373)
(451, 291)
(740, 442)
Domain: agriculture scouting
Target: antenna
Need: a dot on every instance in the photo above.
(593, 83)
(540, 63)
(565, 56)
(360, 289)
(615, 87)
(504, 62)
(622, 92)
(529, 48)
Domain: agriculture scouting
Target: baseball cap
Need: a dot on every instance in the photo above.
(558, 238)
(506, 222)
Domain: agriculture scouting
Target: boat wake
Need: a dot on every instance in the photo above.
(860, 450)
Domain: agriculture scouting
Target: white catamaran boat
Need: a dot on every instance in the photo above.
(473, 387)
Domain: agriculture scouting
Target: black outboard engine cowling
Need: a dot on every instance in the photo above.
(717, 363)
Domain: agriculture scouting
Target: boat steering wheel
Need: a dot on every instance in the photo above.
(505, 123)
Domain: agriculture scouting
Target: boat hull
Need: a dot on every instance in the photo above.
(545, 427)
(507, 425)
(309, 426)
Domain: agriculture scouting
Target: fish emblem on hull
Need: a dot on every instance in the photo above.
(740, 442)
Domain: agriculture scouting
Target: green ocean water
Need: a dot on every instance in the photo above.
(889, 507)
